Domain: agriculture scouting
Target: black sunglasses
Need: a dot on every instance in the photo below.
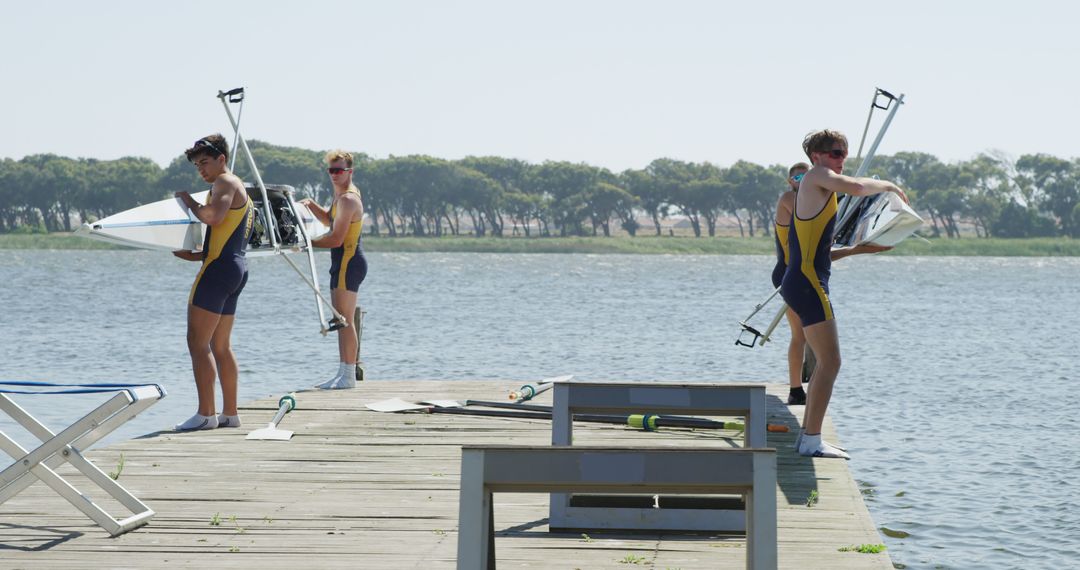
(205, 143)
(836, 153)
(336, 170)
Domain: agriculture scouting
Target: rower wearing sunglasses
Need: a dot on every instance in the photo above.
(805, 286)
(784, 212)
(229, 217)
(348, 267)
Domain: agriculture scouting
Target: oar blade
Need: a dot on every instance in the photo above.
(270, 432)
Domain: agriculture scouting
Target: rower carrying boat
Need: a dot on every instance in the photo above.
(282, 225)
(881, 219)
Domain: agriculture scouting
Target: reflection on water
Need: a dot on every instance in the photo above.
(954, 399)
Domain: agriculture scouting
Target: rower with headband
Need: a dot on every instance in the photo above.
(229, 215)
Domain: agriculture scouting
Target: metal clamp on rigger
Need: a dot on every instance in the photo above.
(336, 323)
(888, 96)
(234, 95)
(747, 328)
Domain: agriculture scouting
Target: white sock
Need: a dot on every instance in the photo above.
(198, 422)
(329, 384)
(798, 441)
(347, 380)
(814, 446)
(228, 421)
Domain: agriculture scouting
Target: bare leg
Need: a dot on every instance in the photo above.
(345, 303)
(227, 369)
(825, 342)
(201, 326)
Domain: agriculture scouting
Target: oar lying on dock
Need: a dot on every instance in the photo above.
(647, 422)
(529, 391)
(286, 404)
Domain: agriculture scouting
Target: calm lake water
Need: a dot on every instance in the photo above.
(955, 400)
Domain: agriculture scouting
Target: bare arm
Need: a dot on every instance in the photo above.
(348, 208)
(214, 212)
(316, 210)
(785, 207)
(188, 255)
(857, 186)
(842, 252)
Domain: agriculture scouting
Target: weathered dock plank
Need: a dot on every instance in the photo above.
(359, 489)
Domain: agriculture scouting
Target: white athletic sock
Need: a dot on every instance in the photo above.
(329, 384)
(346, 381)
(198, 422)
(814, 446)
(228, 421)
(798, 441)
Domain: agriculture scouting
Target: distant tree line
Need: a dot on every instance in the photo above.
(1035, 195)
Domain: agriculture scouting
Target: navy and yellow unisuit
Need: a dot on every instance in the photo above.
(224, 270)
(347, 264)
(805, 287)
(780, 234)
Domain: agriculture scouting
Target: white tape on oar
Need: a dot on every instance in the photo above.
(394, 405)
(529, 391)
(444, 403)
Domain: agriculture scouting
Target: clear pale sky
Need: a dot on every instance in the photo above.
(610, 83)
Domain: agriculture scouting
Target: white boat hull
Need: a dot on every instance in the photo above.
(163, 225)
(887, 222)
(167, 225)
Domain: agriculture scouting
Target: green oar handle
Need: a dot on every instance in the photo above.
(646, 422)
(286, 404)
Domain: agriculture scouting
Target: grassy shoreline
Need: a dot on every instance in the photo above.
(645, 245)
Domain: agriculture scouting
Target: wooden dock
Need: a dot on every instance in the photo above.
(359, 489)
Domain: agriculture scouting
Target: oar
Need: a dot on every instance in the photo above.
(507, 405)
(529, 391)
(647, 422)
(286, 404)
(662, 421)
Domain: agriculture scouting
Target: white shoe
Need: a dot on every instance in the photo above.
(329, 384)
(814, 446)
(345, 382)
(224, 421)
(198, 422)
(338, 383)
(798, 442)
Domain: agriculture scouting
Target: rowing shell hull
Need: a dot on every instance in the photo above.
(163, 225)
(167, 225)
(887, 222)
